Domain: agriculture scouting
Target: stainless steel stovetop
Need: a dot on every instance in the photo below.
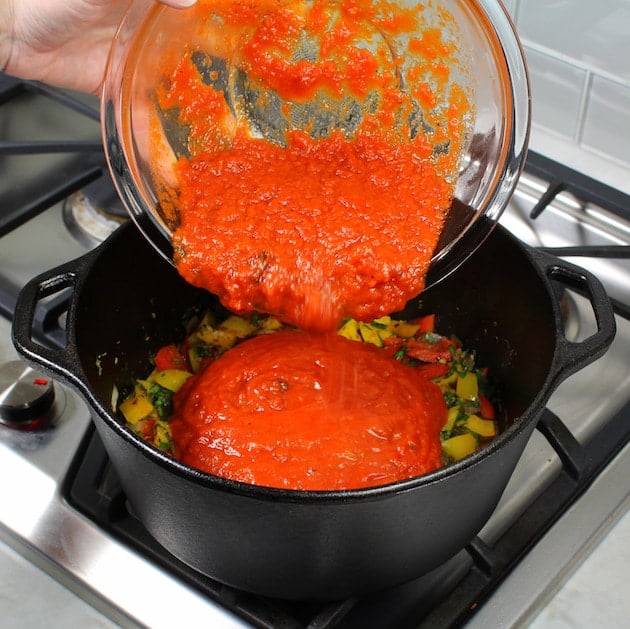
(39, 520)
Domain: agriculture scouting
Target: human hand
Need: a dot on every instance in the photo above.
(61, 42)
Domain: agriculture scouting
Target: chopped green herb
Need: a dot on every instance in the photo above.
(162, 400)
(451, 399)
(202, 350)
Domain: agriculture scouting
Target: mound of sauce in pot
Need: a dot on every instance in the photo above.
(316, 227)
(298, 410)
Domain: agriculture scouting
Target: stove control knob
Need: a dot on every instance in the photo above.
(26, 396)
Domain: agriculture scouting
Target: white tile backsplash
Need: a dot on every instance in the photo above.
(557, 90)
(578, 53)
(607, 119)
(594, 33)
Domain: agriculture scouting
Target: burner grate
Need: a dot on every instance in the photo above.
(564, 179)
(85, 163)
(587, 191)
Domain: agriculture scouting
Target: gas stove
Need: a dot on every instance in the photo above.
(65, 511)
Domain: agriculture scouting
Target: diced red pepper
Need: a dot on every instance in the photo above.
(392, 344)
(486, 409)
(429, 352)
(147, 427)
(169, 357)
(426, 323)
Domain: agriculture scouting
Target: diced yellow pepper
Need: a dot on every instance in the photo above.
(162, 434)
(458, 447)
(385, 321)
(207, 323)
(350, 330)
(482, 427)
(370, 334)
(136, 407)
(171, 379)
(467, 386)
(445, 383)
(453, 413)
(404, 330)
(225, 335)
(240, 327)
(270, 324)
(219, 338)
(383, 326)
(146, 384)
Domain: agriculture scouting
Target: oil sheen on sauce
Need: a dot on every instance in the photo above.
(299, 410)
(337, 209)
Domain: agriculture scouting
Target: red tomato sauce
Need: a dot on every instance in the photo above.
(317, 228)
(336, 242)
(309, 411)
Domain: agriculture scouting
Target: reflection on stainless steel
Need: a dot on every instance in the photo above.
(570, 316)
(89, 223)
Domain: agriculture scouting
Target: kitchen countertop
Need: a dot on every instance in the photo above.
(597, 594)
(30, 598)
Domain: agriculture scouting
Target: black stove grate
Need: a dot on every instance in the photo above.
(564, 179)
(85, 163)
(586, 190)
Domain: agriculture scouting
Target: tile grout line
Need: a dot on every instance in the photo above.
(541, 49)
(583, 107)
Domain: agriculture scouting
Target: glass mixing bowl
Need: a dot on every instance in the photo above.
(490, 66)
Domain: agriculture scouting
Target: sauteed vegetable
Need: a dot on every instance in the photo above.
(468, 422)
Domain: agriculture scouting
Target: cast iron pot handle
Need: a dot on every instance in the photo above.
(572, 356)
(64, 361)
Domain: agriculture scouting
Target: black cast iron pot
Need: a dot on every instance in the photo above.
(127, 302)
